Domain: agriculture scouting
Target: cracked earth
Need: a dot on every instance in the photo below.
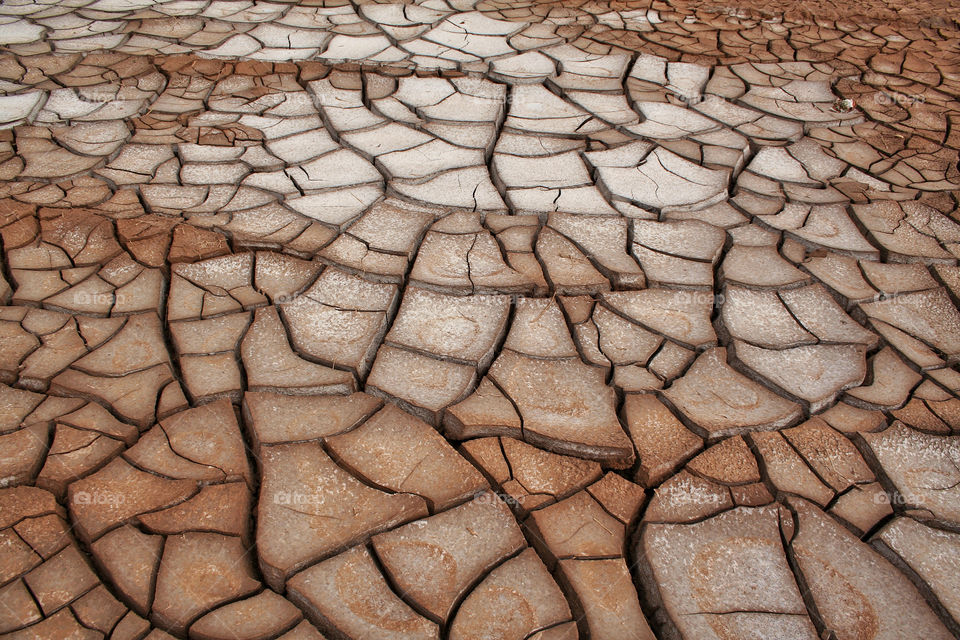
(480, 320)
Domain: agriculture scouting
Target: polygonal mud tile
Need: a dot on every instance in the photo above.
(605, 240)
(923, 469)
(212, 287)
(576, 418)
(61, 579)
(721, 401)
(117, 494)
(834, 458)
(486, 412)
(434, 561)
(272, 365)
(787, 470)
(204, 443)
(62, 624)
(886, 602)
(516, 598)
(129, 371)
(529, 477)
(20, 610)
(566, 268)
(83, 441)
(892, 380)
(665, 181)
(726, 575)
(761, 318)
(199, 571)
(760, 267)
(340, 319)
(260, 616)
(607, 601)
(422, 385)
(538, 329)
(348, 595)
(683, 316)
(577, 527)
(275, 418)
(465, 262)
(130, 559)
(931, 553)
(927, 315)
(219, 508)
(661, 440)
(308, 500)
(454, 327)
(816, 374)
(397, 451)
(910, 229)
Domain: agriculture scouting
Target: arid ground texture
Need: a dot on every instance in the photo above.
(479, 320)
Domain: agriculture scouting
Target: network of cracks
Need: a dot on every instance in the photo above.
(478, 320)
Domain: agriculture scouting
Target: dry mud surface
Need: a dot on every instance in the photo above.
(479, 320)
